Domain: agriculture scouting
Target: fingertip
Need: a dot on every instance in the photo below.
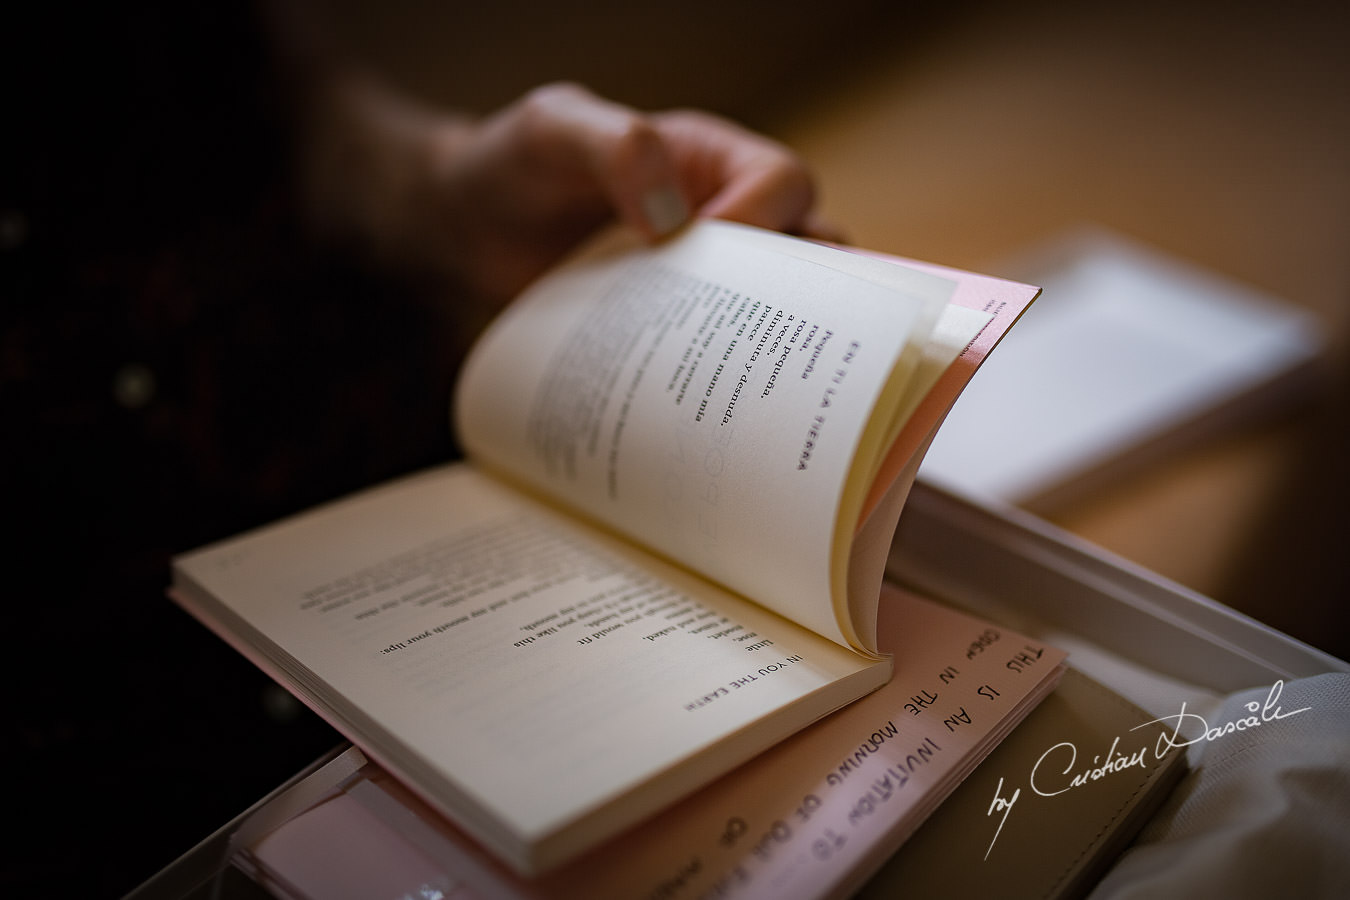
(643, 179)
(761, 183)
(664, 210)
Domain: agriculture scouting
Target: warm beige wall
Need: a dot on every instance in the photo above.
(1219, 131)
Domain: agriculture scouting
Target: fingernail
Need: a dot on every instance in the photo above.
(665, 210)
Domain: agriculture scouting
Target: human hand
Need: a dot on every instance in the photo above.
(494, 202)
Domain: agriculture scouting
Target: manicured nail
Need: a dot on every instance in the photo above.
(665, 210)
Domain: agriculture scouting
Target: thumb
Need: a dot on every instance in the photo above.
(637, 171)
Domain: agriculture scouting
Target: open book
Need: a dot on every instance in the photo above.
(664, 554)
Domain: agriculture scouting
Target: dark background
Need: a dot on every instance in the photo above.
(178, 362)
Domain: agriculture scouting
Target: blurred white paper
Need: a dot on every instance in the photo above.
(1126, 351)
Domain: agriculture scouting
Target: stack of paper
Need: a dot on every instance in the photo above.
(1127, 353)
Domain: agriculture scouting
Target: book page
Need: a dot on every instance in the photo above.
(810, 818)
(709, 397)
(1003, 302)
(521, 668)
(981, 312)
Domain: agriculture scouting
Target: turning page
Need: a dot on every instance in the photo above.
(720, 398)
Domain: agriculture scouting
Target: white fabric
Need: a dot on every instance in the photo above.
(1264, 813)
